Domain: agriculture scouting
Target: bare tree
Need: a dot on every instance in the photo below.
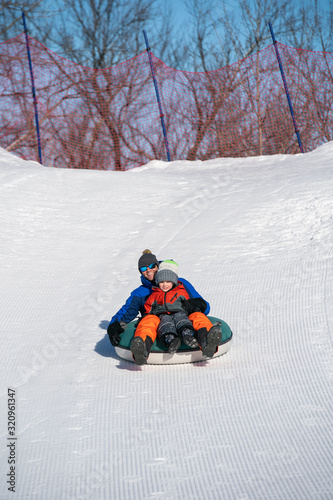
(109, 117)
(221, 33)
(95, 33)
(102, 33)
(249, 31)
(309, 25)
(39, 12)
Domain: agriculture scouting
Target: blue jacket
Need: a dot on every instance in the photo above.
(136, 301)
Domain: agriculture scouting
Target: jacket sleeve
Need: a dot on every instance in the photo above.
(133, 305)
(193, 293)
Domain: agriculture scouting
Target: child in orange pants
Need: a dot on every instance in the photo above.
(169, 315)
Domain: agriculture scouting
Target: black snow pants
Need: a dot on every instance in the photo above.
(173, 323)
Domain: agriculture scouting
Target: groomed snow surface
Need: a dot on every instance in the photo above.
(254, 236)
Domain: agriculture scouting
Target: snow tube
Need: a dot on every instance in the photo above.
(159, 354)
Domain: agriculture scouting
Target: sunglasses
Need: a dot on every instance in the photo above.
(144, 268)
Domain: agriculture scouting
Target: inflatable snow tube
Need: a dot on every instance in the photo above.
(159, 354)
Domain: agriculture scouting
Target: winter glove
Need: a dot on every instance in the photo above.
(115, 329)
(195, 305)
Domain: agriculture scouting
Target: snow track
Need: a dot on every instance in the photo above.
(254, 236)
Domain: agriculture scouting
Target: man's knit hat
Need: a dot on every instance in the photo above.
(168, 271)
(147, 258)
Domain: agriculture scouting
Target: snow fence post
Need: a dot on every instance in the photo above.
(157, 96)
(33, 88)
(286, 87)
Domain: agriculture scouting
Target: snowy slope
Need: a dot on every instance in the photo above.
(254, 236)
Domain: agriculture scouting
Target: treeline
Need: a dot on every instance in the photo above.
(212, 35)
(107, 118)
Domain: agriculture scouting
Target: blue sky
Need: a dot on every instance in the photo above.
(181, 14)
(179, 10)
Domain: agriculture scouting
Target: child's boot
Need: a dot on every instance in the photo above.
(172, 342)
(210, 341)
(189, 338)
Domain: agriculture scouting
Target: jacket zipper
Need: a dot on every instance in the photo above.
(165, 301)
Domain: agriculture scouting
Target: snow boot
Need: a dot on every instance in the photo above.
(189, 338)
(209, 341)
(140, 349)
(172, 342)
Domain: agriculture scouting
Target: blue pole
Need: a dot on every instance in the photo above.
(33, 89)
(286, 87)
(157, 97)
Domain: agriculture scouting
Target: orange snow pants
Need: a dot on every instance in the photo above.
(147, 326)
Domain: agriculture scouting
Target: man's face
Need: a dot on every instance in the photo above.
(149, 274)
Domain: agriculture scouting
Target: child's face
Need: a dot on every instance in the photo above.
(165, 286)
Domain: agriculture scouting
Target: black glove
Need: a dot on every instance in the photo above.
(195, 305)
(114, 331)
